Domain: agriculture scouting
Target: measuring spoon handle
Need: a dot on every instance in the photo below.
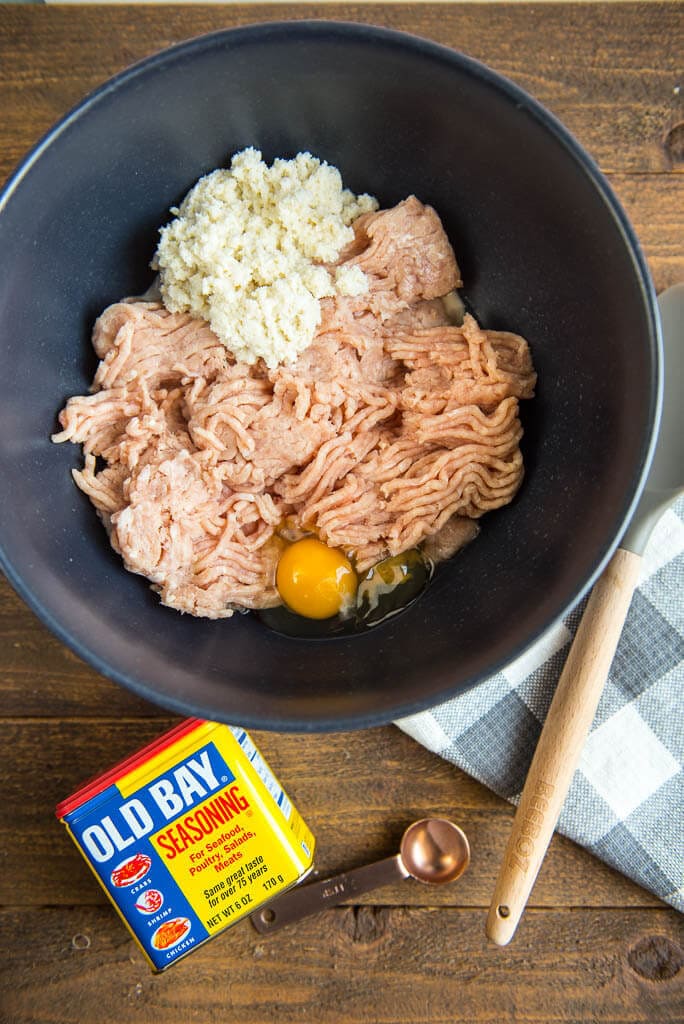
(311, 899)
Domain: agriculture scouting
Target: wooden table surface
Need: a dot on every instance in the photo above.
(592, 946)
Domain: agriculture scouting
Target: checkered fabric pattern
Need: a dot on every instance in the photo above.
(626, 802)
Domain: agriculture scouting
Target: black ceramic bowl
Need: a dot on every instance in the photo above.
(544, 249)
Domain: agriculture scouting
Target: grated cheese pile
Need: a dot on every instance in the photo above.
(245, 252)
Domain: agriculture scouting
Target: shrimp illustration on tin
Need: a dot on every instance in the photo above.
(149, 901)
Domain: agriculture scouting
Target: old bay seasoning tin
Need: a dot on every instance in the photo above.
(188, 836)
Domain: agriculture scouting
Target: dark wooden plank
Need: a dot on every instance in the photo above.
(655, 207)
(357, 966)
(358, 791)
(608, 72)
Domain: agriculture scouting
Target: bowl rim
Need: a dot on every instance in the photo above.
(314, 28)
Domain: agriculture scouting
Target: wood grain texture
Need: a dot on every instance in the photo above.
(592, 945)
(608, 72)
(356, 965)
(357, 792)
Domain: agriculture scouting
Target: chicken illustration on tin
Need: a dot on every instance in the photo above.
(149, 901)
(171, 933)
(131, 870)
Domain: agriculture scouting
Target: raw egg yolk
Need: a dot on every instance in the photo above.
(314, 580)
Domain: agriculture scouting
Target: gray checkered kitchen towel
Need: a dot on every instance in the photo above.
(626, 802)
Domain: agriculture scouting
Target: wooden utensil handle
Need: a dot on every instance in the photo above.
(561, 741)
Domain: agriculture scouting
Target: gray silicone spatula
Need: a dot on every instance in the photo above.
(581, 683)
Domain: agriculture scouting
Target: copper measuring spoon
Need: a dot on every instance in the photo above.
(433, 851)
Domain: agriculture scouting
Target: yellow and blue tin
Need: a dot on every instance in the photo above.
(188, 836)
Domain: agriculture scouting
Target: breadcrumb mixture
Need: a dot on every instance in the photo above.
(251, 249)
